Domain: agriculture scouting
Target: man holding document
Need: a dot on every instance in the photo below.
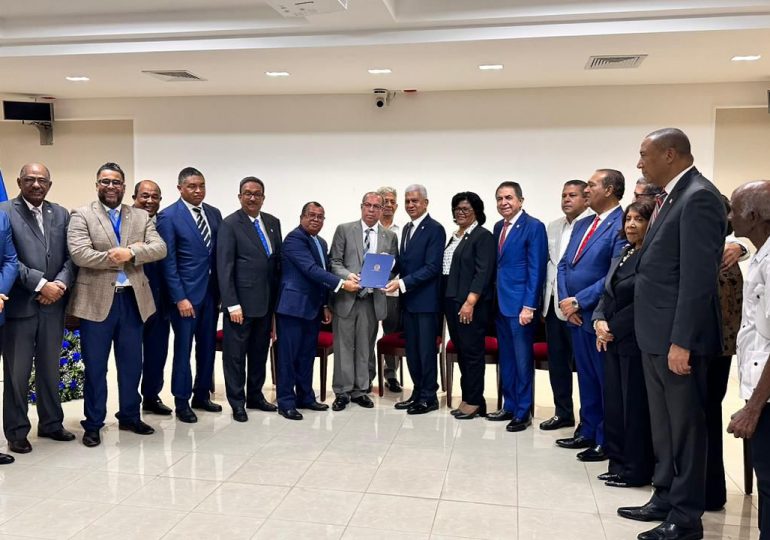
(357, 313)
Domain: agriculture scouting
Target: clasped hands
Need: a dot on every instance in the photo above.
(49, 293)
(570, 311)
(120, 255)
(603, 335)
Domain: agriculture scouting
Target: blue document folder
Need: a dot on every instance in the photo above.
(376, 270)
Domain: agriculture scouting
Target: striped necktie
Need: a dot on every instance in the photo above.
(659, 199)
(203, 227)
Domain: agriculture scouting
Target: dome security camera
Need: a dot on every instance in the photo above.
(382, 97)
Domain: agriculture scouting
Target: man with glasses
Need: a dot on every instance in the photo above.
(248, 268)
(190, 227)
(110, 242)
(302, 306)
(355, 323)
(392, 322)
(35, 310)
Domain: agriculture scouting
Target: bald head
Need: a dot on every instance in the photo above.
(750, 214)
(147, 196)
(671, 138)
(34, 182)
(663, 155)
(25, 169)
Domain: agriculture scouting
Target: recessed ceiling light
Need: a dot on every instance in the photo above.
(277, 73)
(78, 78)
(490, 67)
(380, 71)
(747, 58)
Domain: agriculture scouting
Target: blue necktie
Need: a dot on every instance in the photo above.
(114, 218)
(262, 236)
(320, 252)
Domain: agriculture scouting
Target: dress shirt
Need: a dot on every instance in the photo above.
(39, 220)
(372, 236)
(454, 241)
(122, 279)
(507, 230)
(672, 183)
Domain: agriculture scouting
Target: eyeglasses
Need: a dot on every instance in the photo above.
(30, 180)
(464, 210)
(107, 182)
(250, 195)
(315, 217)
(370, 206)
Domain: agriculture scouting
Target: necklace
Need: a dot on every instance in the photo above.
(626, 256)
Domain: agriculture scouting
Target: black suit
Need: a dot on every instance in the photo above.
(627, 436)
(155, 334)
(472, 270)
(249, 278)
(33, 330)
(676, 302)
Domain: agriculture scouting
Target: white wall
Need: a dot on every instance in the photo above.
(334, 148)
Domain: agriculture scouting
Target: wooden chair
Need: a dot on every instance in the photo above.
(491, 356)
(394, 344)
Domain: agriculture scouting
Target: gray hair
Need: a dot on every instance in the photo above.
(756, 198)
(371, 194)
(417, 187)
(384, 190)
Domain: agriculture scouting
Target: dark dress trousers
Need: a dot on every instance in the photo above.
(419, 263)
(248, 277)
(472, 271)
(627, 437)
(190, 272)
(155, 334)
(676, 302)
(33, 331)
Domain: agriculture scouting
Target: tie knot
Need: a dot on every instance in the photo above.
(369, 230)
(196, 209)
(113, 213)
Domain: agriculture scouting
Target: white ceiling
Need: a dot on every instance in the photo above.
(429, 44)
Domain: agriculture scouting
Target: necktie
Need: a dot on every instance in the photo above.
(407, 235)
(503, 235)
(320, 251)
(115, 219)
(38, 217)
(262, 237)
(203, 227)
(586, 239)
(659, 198)
(367, 242)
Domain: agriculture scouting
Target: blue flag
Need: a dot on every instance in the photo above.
(3, 193)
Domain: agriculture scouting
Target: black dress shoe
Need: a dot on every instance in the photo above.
(239, 415)
(138, 427)
(262, 405)
(394, 386)
(608, 476)
(186, 415)
(156, 406)
(500, 416)
(91, 439)
(5, 459)
(518, 424)
(59, 435)
(364, 401)
(290, 414)
(556, 422)
(21, 446)
(422, 407)
(575, 443)
(481, 410)
(671, 531)
(620, 483)
(340, 402)
(404, 405)
(315, 406)
(648, 512)
(595, 453)
(206, 405)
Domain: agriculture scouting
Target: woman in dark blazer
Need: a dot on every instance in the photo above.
(628, 439)
(469, 267)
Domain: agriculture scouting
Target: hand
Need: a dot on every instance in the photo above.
(354, 277)
(567, 306)
(603, 331)
(50, 292)
(679, 360)
(185, 308)
(119, 255)
(743, 423)
(391, 286)
(731, 254)
(3, 298)
(526, 316)
(601, 345)
(236, 316)
(465, 315)
(327, 316)
(575, 319)
(351, 286)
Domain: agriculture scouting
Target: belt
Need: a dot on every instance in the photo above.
(122, 288)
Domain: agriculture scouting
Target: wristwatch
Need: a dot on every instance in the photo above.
(575, 304)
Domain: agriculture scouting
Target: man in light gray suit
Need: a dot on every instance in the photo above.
(356, 314)
(35, 310)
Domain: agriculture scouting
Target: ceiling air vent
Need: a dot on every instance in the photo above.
(615, 62)
(173, 75)
(306, 8)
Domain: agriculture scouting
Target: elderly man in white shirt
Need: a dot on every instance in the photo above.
(750, 217)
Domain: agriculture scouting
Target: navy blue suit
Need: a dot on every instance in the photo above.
(303, 292)
(419, 264)
(190, 273)
(584, 279)
(521, 265)
(155, 334)
(9, 264)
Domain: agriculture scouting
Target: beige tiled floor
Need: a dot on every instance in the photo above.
(352, 474)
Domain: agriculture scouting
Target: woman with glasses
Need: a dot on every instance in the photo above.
(469, 266)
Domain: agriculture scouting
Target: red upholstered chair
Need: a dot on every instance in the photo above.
(394, 344)
(324, 348)
(539, 355)
(491, 356)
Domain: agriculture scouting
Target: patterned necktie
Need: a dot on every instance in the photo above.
(38, 217)
(262, 237)
(203, 227)
(407, 235)
(503, 235)
(367, 242)
(659, 198)
(586, 239)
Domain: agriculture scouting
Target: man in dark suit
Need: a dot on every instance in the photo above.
(677, 319)
(190, 227)
(302, 306)
(157, 328)
(522, 255)
(581, 272)
(248, 267)
(35, 310)
(419, 264)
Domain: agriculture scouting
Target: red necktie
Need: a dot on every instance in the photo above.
(586, 239)
(659, 198)
(503, 234)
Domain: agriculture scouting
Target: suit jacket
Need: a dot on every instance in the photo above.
(305, 285)
(89, 236)
(676, 298)
(40, 255)
(521, 265)
(616, 306)
(347, 257)
(554, 230)
(584, 278)
(190, 268)
(247, 275)
(473, 266)
(9, 267)
(420, 266)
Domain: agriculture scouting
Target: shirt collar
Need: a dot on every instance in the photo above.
(30, 205)
(762, 252)
(515, 218)
(364, 226)
(606, 213)
(469, 230)
(416, 222)
(190, 206)
(672, 184)
(108, 209)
